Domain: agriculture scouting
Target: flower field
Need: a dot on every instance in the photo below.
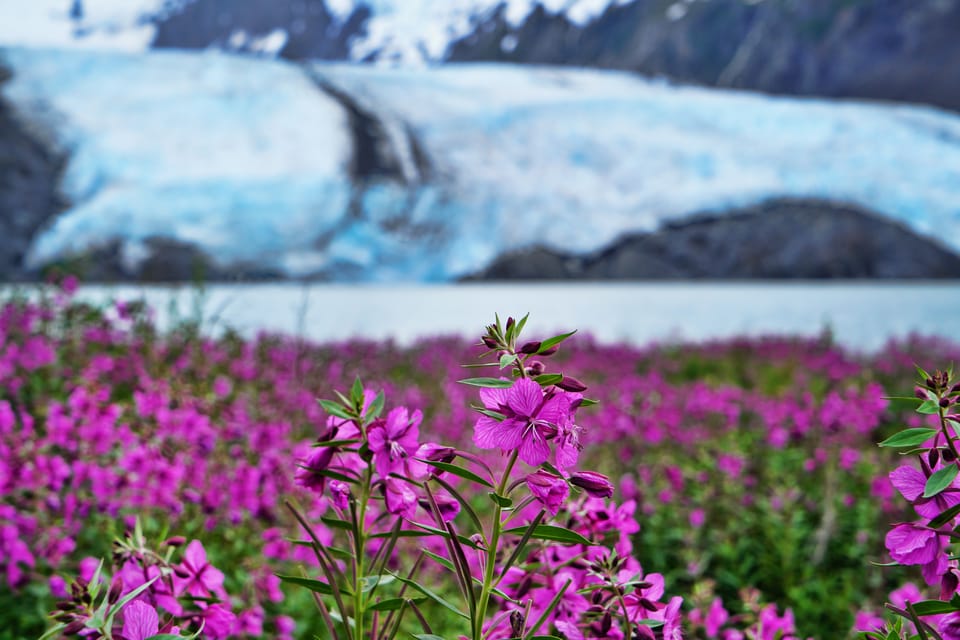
(729, 490)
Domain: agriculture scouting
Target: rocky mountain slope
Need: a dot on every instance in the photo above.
(777, 239)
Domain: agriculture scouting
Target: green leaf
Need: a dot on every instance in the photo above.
(501, 500)
(488, 383)
(929, 407)
(336, 443)
(405, 533)
(507, 359)
(336, 523)
(940, 481)
(375, 408)
(313, 585)
(392, 604)
(555, 340)
(910, 437)
(933, 607)
(649, 622)
(496, 415)
(552, 533)
(547, 379)
(356, 393)
(587, 402)
(433, 596)
(165, 636)
(334, 409)
(446, 534)
(466, 474)
(369, 583)
(425, 636)
(945, 517)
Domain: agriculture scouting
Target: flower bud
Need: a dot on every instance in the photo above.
(517, 621)
(596, 484)
(920, 392)
(605, 623)
(536, 368)
(552, 491)
(175, 541)
(933, 457)
(115, 590)
(947, 456)
(549, 352)
(489, 342)
(74, 627)
(571, 384)
(945, 402)
(531, 347)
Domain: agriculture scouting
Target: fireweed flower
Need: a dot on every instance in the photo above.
(197, 577)
(532, 418)
(552, 491)
(393, 440)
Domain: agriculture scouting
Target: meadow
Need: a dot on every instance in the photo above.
(745, 478)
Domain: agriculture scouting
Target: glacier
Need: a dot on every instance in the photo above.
(249, 160)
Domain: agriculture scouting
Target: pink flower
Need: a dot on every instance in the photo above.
(400, 498)
(717, 616)
(197, 577)
(140, 621)
(552, 491)
(531, 419)
(394, 439)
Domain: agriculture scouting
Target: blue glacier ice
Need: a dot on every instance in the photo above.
(247, 159)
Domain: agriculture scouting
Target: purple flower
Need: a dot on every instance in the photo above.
(140, 621)
(393, 440)
(196, 576)
(531, 419)
(949, 626)
(552, 491)
(309, 474)
(400, 498)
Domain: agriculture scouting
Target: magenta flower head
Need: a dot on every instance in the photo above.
(596, 484)
(531, 419)
(393, 440)
(552, 491)
(196, 576)
(309, 474)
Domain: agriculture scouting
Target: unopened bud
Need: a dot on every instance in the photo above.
(74, 627)
(489, 342)
(115, 590)
(933, 457)
(442, 454)
(920, 392)
(516, 623)
(605, 623)
(945, 402)
(597, 597)
(66, 605)
(646, 604)
(175, 541)
(571, 384)
(549, 352)
(536, 368)
(948, 456)
(531, 347)
(510, 323)
(596, 484)
(930, 383)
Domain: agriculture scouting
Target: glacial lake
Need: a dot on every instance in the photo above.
(860, 315)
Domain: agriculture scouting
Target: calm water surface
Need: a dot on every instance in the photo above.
(861, 316)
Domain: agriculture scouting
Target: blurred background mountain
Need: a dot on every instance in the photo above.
(601, 139)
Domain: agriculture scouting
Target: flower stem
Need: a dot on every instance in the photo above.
(492, 548)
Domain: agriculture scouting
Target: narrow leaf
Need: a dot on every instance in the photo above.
(453, 469)
(945, 517)
(433, 596)
(489, 383)
(552, 533)
(940, 481)
(313, 585)
(910, 437)
(501, 500)
(555, 340)
(334, 409)
(546, 379)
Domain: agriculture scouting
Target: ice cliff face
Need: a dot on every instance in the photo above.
(361, 173)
